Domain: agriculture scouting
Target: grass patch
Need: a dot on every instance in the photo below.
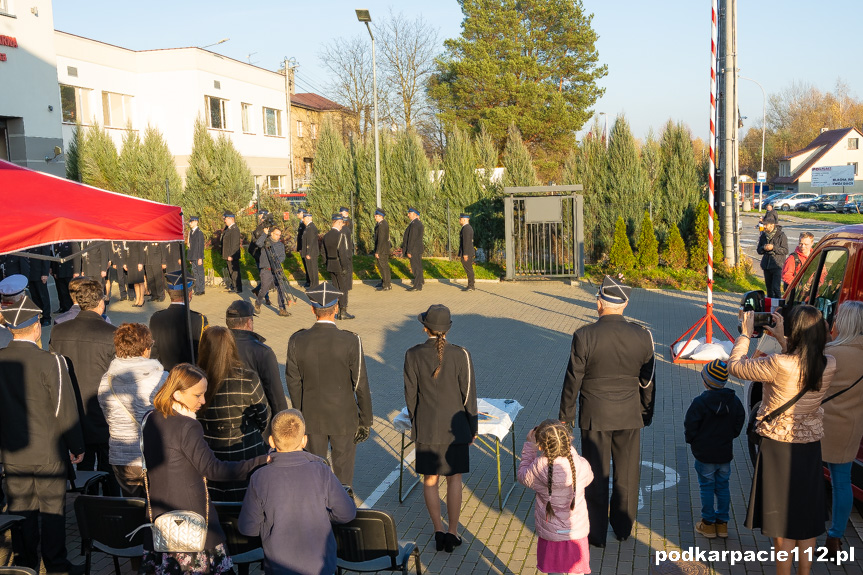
(681, 279)
(842, 219)
(364, 268)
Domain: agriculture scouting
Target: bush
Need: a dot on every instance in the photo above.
(698, 247)
(648, 247)
(674, 255)
(621, 256)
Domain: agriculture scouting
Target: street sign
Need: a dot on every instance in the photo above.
(828, 176)
(762, 177)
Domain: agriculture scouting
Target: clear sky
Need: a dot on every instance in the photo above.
(658, 53)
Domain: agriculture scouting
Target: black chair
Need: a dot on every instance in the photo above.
(369, 544)
(86, 481)
(243, 549)
(104, 523)
(8, 522)
(16, 571)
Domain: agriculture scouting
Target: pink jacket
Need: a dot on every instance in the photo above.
(565, 524)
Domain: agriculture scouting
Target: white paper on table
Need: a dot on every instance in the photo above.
(501, 417)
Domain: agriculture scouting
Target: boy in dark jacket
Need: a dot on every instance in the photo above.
(712, 422)
(295, 489)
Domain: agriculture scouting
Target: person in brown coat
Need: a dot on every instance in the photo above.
(843, 426)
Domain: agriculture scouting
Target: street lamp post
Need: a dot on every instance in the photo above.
(763, 133)
(222, 41)
(364, 16)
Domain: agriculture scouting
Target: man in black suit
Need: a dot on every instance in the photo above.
(466, 251)
(154, 255)
(382, 249)
(39, 434)
(11, 265)
(169, 328)
(232, 244)
(348, 232)
(196, 254)
(412, 246)
(64, 272)
(87, 343)
(300, 229)
(611, 368)
(310, 251)
(37, 281)
(326, 375)
(337, 255)
(94, 260)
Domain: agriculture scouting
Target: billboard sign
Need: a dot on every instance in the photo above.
(827, 176)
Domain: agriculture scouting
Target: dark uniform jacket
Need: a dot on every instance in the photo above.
(171, 336)
(11, 265)
(443, 409)
(38, 267)
(196, 245)
(119, 255)
(310, 241)
(87, 343)
(135, 255)
(465, 242)
(38, 414)
(326, 375)
(155, 256)
(611, 374)
(336, 252)
(775, 258)
(70, 267)
(95, 261)
(231, 242)
(173, 256)
(382, 238)
(300, 229)
(178, 459)
(412, 242)
(261, 359)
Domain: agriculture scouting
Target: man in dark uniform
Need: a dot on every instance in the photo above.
(337, 255)
(466, 251)
(611, 377)
(196, 254)
(272, 256)
(37, 281)
(64, 272)
(94, 260)
(348, 232)
(300, 229)
(232, 244)
(116, 271)
(39, 434)
(382, 249)
(254, 248)
(173, 257)
(326, 375)
(11, 265)
(169, 329)
(154, 255)
(311, 250)
(412, 246)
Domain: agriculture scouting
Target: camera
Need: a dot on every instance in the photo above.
(268, 221)
(763, 319)
(763, 307)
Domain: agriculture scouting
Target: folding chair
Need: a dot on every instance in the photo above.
(369, 543)
(243, 549)
(104, 523)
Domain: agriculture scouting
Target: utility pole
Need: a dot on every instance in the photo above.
(727, 123)
(289, 67)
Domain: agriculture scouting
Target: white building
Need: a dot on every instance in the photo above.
(831, 148)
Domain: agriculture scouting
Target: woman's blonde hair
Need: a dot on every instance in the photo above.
(554, 441)
(184, 376)
(848, 322)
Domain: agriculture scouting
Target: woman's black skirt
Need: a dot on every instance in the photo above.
(443, 458)
(787, 498)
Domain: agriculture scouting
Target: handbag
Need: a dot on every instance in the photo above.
(752, 433)
(179, 531)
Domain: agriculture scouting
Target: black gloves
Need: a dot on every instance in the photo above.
(362, 434)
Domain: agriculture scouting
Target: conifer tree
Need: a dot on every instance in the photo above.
(621, 257)
(157, 167)
(679, 189)
(460, 183)
(99, 159)
(648, 248)
(129, 165)
(333, 183)
(73, 154)
(698, 244)
(625, 184)
(486, 153)
(517, 161)
(674, 255)
(586, 165)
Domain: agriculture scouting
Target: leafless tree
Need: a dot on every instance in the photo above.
(350, 62)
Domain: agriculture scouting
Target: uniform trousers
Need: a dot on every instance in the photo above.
(63, 296)
(773, 281)
(468, 269)
(198, 274)
(343, 453)
(39, 295)
(39, 492)
(312, 271)
(600, 448)
(305, 269)
(155, 281)
(268, 282)
(417, 270)
(234, 271)
(340, 281)
(383, 262)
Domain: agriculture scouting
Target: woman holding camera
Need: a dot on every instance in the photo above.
(788, 468)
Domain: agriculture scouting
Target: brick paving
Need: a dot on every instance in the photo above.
(519, 335)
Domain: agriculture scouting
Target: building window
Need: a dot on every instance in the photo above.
(72, 71)
(216, 117)
(247, 113)
(276, 184)
(299, 129)
(272, 122)
(116, 110)
(852, 143)
(75, 103)
(313, 128)
(784, 169)
(855, 166)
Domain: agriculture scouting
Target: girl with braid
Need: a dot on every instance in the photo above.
(440, 392)
(552, 467)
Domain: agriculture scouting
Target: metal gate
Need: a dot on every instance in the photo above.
(544, 232)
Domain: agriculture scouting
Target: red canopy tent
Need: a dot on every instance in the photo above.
(39, 209)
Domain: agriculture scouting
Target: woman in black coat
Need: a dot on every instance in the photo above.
(440, 392)
(134, 266)
(178, 461)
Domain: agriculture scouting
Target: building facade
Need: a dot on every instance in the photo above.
(831, 148)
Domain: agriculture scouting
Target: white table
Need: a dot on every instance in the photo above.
(496, 420)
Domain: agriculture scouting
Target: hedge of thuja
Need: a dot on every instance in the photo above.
(621, 257)
(647, 250)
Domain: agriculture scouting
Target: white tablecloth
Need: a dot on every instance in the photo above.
(496, 417)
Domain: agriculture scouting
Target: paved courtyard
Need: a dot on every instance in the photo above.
(519, 335)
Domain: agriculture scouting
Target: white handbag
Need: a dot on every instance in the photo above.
(179, 531)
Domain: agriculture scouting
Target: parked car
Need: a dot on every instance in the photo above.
(823, 203)
(832, 274)
(851, 204)
(790, 202)
(769, 197)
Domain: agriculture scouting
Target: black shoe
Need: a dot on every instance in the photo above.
(379, 286)
(70, 569)
(256, 289)
(600, 545)
(307, 285)
(46, 322)
(414, 288)
(469, 288)
(622, 538)
(382, 288)
(439, 537)
(450, 542)
(343, 314)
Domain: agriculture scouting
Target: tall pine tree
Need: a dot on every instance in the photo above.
(626, 187)
(517, 162)
(99, 159)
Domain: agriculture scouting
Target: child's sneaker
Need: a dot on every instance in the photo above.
(706, 529)
(721, 529)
